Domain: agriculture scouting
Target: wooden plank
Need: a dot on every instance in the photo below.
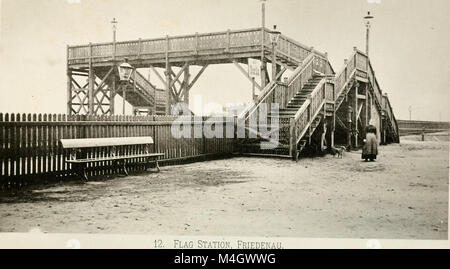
(54, 143)
(13, 147)
(39, 140)
(7, 146)
(23, 146)
(45, 151)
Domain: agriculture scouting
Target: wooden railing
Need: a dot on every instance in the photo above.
(374, 82)
(390, 114)
(147, 89)
(282, 92)
(29, 144)
(359, 65)
(345, 74)
(226, 41)
(306, 114)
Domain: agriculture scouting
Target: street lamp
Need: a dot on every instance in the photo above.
(274, 37)
(125, 70)
(114, 23)
(367, 18)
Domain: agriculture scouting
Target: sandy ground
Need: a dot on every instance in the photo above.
(403, 195)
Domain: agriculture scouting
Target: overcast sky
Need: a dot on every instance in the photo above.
(409, 47)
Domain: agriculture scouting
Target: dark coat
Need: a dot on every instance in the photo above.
(371, 145)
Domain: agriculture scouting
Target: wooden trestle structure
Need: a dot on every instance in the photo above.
(312, 101)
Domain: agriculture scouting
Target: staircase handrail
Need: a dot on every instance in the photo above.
(272, 85)
(316, 96)
(347, 72)
(142, 82)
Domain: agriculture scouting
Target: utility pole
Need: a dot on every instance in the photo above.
(410, 110)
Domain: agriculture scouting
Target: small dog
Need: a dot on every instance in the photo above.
(339, 151)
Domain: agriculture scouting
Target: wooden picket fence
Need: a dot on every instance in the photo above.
(30, 150)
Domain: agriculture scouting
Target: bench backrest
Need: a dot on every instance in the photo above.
(105, 142)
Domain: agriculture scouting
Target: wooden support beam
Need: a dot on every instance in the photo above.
(69, 90)
(366, 102)
(180, 84)
(340, 123)
(76, 83)
(112, 97)
(91, 84)
(280, 73)
(361, 96)
(197, 77)
(102, 82)
(356, 113)
(178, 75)
(266, 72)
(246, 74)
(359, 111)
(157, 74)
(186, 85)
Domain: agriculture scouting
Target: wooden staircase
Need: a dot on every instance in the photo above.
(140, 93)
(304, 83)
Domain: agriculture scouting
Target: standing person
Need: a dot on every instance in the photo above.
(370, 148)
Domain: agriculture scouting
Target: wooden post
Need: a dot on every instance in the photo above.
(366, 104)
(69, 92)
(91, 83)
(124, 96)
(186, 85)
(349, 126)
(253, 89)
(112, 96)
(263, 62)
(274, 62)
(168, 80)
(69, 84)
(333, 125)
(155, 101)
(355, 112)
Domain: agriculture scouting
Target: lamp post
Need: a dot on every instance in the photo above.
(274, 36)
(263, 25)
(113, 86)
(125, 70)
(367, 18)
(114, 23)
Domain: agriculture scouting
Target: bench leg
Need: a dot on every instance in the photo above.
(124, 168)
(81, 171)
(156, 162)
(157, 166)
(85, 176)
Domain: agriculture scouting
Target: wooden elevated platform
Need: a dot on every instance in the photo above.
(314, 101)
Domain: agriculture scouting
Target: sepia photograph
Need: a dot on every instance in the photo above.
(220, 124)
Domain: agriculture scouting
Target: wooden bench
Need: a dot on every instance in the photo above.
(110, 149)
